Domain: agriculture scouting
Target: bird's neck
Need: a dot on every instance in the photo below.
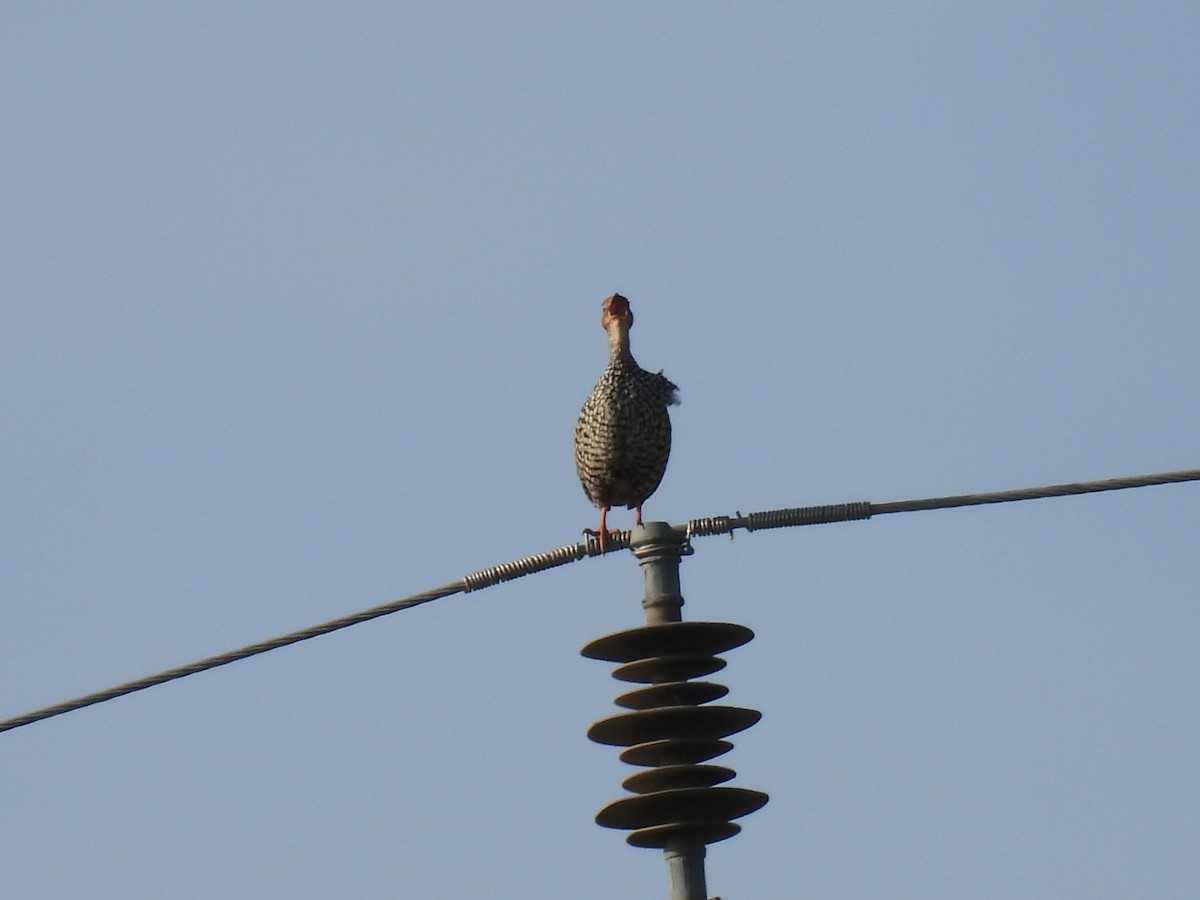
(618, 341)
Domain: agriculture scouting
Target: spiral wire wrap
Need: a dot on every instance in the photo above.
(527, 565)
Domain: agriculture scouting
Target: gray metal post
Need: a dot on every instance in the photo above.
(659, 548)
(685, 865)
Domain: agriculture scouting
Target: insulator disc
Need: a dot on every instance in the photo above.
(661, 835)
(668, 639)
(671, 753)
(676, 693)
(672, 723)
(667, 778)
(685, 805)
(657, 669)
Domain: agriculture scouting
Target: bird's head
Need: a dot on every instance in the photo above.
(616, 309)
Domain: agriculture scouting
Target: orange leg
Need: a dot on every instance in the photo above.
(603, 533)
(637, 518)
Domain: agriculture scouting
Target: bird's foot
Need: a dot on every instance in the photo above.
(603, 537)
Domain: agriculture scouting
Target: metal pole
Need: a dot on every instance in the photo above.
(659, 548)
(685, 865)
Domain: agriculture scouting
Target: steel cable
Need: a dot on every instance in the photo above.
(777, 518)
(221, 659)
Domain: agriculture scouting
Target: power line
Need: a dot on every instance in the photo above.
(845, 512)
(777, 518)
(221, 659)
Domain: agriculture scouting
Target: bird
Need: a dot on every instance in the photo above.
(623, 434)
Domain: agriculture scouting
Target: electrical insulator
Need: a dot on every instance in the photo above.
(670, 731)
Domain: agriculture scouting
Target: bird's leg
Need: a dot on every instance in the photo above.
(637, 516)
(602, 534)
(603, 528)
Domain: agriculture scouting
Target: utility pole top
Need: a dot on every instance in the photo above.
(676, 805)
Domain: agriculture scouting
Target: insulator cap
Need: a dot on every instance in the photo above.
(672, 723)
(679, 693)
(659, 836)
(675, 752)
(665, 778)
(670, 731)
(669, 639)
(658, 669)
(671, 813)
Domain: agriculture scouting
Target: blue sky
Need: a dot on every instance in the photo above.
(299, 302)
